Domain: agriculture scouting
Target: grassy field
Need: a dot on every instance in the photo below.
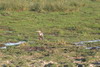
(62, 23)
(40, 5)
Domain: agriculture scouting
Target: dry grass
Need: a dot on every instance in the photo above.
(40, 5)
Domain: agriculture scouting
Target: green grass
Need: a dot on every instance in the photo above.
(72, 27)
(80, 22)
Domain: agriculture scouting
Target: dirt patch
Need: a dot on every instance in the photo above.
(35, 48)
(5, 28)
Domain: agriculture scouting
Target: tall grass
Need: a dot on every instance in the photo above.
(12, 5)
(40, 5)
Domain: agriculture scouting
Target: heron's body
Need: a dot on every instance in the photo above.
(41, 35)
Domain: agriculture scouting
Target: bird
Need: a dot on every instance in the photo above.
(41, 35)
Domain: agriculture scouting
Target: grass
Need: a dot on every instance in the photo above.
(41, 5)
(76, 21)
(58, 25)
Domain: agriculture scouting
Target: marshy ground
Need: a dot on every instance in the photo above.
(61, 28)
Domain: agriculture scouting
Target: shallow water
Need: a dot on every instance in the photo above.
(97, 47)
(83, 42)
(12, 44)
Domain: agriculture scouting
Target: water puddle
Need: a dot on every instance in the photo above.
(83, 42)
(13, 44)
(90, 48)
(4, 46)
